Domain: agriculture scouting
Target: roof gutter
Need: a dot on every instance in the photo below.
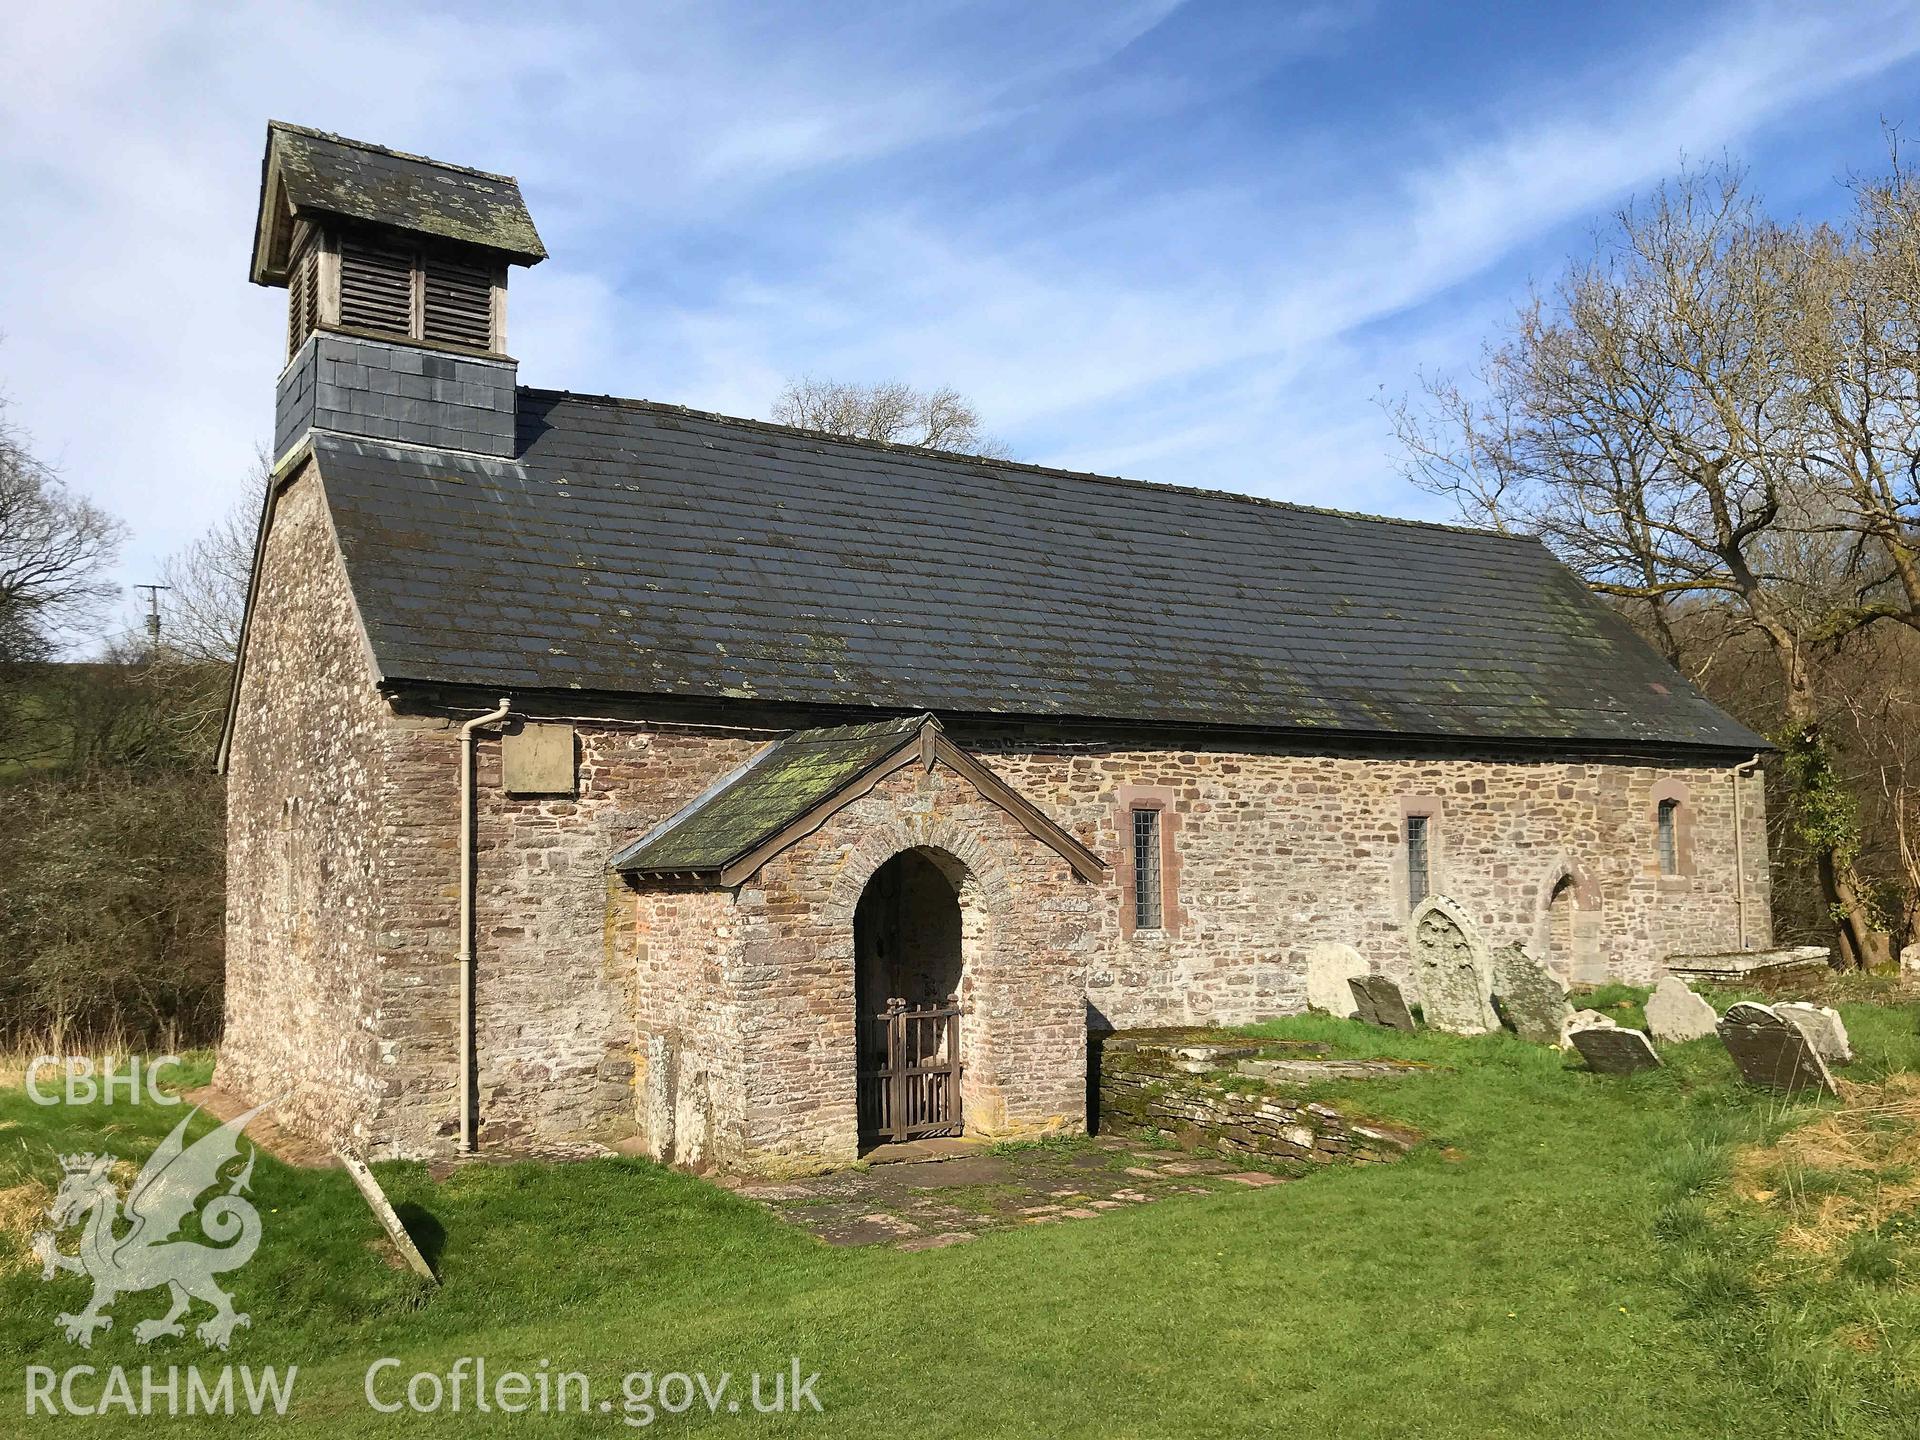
(467, 1073)
(701, 711)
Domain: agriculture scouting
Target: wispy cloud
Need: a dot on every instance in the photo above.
(1186, 243)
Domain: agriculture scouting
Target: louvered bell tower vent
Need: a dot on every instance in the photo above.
(395, 268)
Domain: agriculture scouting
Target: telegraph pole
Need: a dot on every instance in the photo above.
(153, 610)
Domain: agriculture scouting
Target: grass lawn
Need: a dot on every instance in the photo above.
(1569, 1255)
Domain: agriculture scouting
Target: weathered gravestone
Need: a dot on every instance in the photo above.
(1583, 1020)
(1330, 965)
(1451, 969)
(1822, 1026)
(1675, 1013)
(1378, 1001)
(1771, 1051)
(1615, 1050)
(1530, 1000)
(388, 1217)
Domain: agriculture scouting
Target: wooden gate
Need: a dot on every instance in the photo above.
(910, 1073)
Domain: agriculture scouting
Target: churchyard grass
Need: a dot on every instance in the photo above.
(1567, 1255)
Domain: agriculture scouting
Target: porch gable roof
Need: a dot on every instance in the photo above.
(790, 788)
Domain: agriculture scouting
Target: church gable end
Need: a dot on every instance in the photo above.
(303, 771)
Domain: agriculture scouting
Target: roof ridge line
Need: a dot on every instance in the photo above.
(665, 407)
(388, 150)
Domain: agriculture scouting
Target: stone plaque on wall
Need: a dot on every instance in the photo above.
(537, 759)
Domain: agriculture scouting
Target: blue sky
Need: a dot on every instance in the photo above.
(1186, 242)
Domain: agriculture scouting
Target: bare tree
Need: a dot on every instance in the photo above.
(891, 410)
(209, 578)
(1717, 410)
(54, 549)
(54, 546)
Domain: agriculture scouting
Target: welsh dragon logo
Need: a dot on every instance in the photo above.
(123, 1254)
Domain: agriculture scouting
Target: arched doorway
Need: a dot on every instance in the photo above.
(908, 938)
(1560, 929)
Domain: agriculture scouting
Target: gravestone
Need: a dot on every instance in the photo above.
(1772, 1052)
(1675, 1013)
(384, 1212)
(1614, 1050)
(1822, 1026)
(1582, 1020)
(1530, 1000)
(1452, 970)
(1378, 1001)
(1329, 966)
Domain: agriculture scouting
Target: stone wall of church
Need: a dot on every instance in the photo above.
(719, 1024)
(1274, 851)
(558, 975)
(303, 823)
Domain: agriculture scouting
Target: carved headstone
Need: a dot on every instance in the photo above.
(1582, 1020)
(1452, 970)
(388, 1217)
(1329, 966)
(1614, 1050)
(1530, 1000)
(1822, 1026)
(1378, 1001)
(1772, 1052)
(1675, 1013)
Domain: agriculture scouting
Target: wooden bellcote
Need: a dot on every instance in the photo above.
(372, 242)
(383, 284)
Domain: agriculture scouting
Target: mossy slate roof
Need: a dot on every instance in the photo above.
(337, 176)
(756, 802)
(644, 549)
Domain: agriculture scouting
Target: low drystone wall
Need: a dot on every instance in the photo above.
(1241, 1097)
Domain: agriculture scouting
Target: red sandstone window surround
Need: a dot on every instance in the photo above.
(1146, 869)
(1149, 868)
(1665, 824)
(1672, 831)
(1418, 873)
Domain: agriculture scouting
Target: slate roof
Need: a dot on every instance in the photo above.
(313, 171)
(647, 549)
(763, 797)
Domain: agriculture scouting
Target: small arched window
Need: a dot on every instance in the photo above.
(1667, 836)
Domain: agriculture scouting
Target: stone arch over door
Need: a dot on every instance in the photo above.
(918, 922)
(1566, 930)
(977, 872)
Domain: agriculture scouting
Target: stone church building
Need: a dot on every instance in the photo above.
(600, 766)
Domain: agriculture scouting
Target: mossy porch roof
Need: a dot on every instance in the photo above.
(757, 801)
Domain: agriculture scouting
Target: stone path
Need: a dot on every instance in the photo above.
(937, 1203)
